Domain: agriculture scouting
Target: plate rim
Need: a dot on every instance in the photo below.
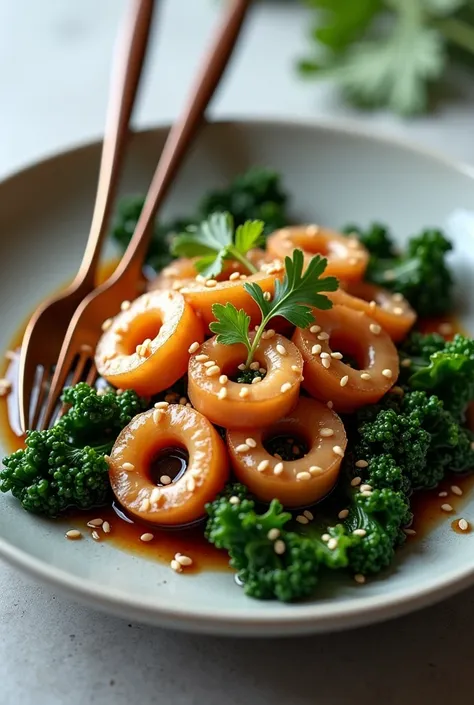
(308, 617)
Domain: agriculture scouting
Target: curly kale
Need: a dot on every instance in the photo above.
(255, 195)
(376, 238)
(445, 369)
(64, 466)
(420, 273)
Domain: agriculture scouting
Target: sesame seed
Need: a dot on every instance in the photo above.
(234, 500)
(155, 495)
(303, 475)
(398, 311)
(316, 349)
(442, 494)
(366, 493)
(254, 365)
(359, 532)
(365, 488)
(463, 524)
(397, 390)
(211, 283)
(302, 519)
(256, 380)
(375, 328)
(278, 469)
(387, 373)
(356, 481)
(243, 276)
(336, 355)
(332, 544)
(456, 490)
(315, 329)
(223, 379)
(324, 355)
(209, 363)
(262, 370)
(165, 480)
(273, 534)
(107, 459)
(251, 442)
(158, 416)
(344, 380)
(234, 276)
(94, 523)
(263, 465)
(279, 547)
(128, 466)
(343, 514)
(106, 527)
(309, 515)
(106, 324)
(326, 363)
(281, 349)
(330, 404)
(359, 578)
(202, 358)
(241, 367)
(244, 392)
(409, 532)
(446, 508)
(361, 464)
(323, 336)
(267, 296)
(270, 333)
(242, 448)
(326, 432)
(125, 305)
(315, 470)
(95, 535)
(183, 560)
(295, 368)
(312, 230)
(338, 451)
(176, 566)
(285, 387)
(212, 371)
(73, 534)
(222, 393)
(193, 347)
(325, 538)
(372, 305)
(406, 362)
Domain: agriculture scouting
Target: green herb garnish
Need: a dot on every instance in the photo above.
(215, 241)
(293, 297)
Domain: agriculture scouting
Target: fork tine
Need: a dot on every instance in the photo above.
(38, 403)
(92, 376)
(26, 379)
(63, 368)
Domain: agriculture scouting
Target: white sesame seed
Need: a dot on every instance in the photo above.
(155, 495)
(279, 547)
(355, 482)
(332, 544)
(165, 480)
(223, 379)
(398, 311)
(337, 355)
(222, 393)
(211, 283)
(463, 524)
(326, 363)
(442, 494)
(387, 373)
(344, 380)
(244, 392)
(372, 305)
(312, 230)
(446, 508)
(409, 532)
(315, 329)
(316, 349)
(323, 336)
(302, 519)
(359, 532)
(241, 367)
(106, 324)
(281, 349)
(251, 442)
(270, 333)
(73, 534)
(366, 493)
(128, 467)
(212, 371)
(366, 488)
(456, 490)
(125, 305)
(234, 500)
(106, 527)
(285, 387)
(174, 565)
(254, 365)
(262, 370)
(406, 362)
(256, 380)
(278, 469)
(330, 404)
(183, 560)
(326, 432)
(343, 514)
(242, 448)
(338, 451)
(295, 368)
(359, 578)
(209, 363)
(107, 459)
(263, 465)
(273, 534)
(309, 515)
(316, 470)
(375, 328)
(325, 538)
(242, 276)
(146, 537)
(201, 358)
(94, 523)
(95, 535)
(234, 276)
(158, 416)
(303, 475)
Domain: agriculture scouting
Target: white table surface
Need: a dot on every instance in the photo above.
(54, 64)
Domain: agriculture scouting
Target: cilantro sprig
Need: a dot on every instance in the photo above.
(294, 295)
(215, 241)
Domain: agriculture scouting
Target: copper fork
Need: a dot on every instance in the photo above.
(47, 328)
(85, 328)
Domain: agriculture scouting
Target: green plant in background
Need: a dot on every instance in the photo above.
(387, 53)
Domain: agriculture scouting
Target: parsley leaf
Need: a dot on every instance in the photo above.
(213, 242)
(231, 326)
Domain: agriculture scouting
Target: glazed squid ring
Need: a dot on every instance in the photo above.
(145, 347)
(391, 311)
(234, 405)
(327, 377)
(347, 257)
(295, 482)
(171, 502)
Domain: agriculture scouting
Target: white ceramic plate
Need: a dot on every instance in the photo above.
(334, 176)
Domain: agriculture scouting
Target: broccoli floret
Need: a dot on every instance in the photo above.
(64, 466)
(462, 455)
(383, 472)
(422, 345)
(448, 371)
(381, 515)
(376, 239)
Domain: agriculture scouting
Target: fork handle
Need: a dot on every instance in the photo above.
(128, 63)
(180, 138)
